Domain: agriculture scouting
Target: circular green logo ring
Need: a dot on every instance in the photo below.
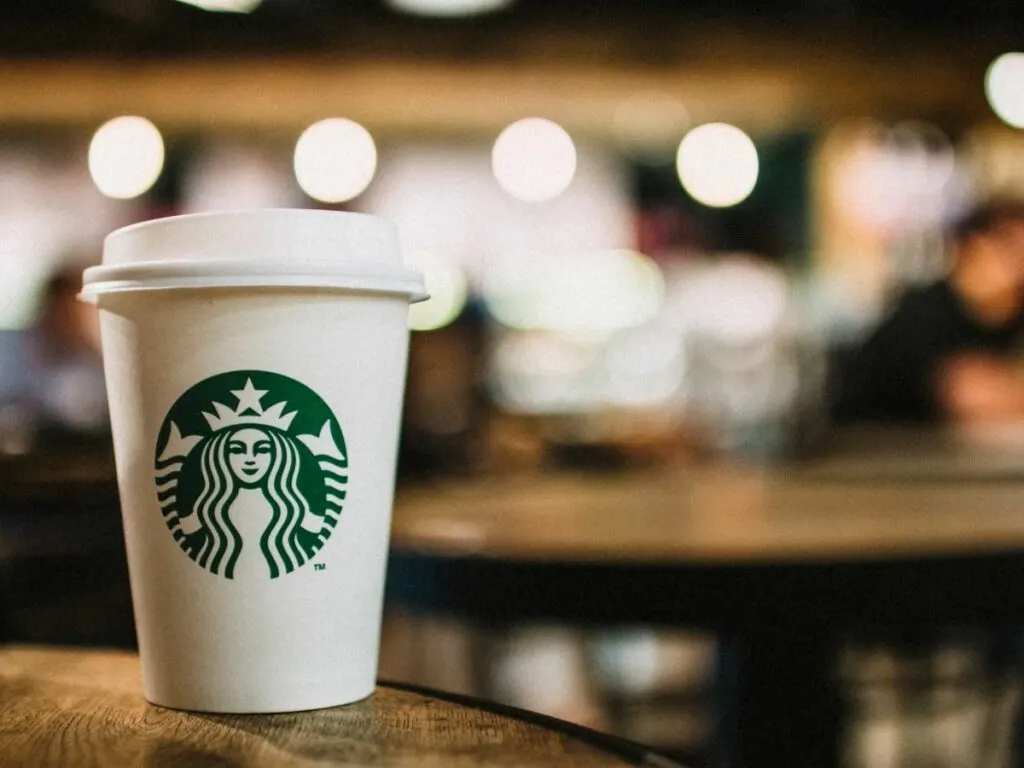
(245, 434)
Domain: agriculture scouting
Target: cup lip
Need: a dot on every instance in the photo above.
(233, 273)
(272, 247)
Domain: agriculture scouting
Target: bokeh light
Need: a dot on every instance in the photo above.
(646, 368)
(448, 288)
(737, 302)
(335, 160)
(593, 293)
(717, 164)
(1004, 86)
(126, 156)
(449, 8)
(534, 159)
(224, 6)
(892, 179)
(543, 373)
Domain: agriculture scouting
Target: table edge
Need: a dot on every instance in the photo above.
(630, 751)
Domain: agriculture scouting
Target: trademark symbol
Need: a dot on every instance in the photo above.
(319, 567)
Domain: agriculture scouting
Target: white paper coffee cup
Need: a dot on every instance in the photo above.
(255, 365)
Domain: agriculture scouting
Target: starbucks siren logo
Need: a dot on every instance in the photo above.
(251, 469)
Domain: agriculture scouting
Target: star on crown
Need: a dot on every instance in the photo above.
(249, 411)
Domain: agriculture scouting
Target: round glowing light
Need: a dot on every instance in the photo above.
(449, 8)
(126, 156)
(891, 180)
(534, 160)
(738, 302)
(225, 6)
(448, 288)
(1004, 86)
(717, 164)
(335, 160)
(646, 368)
(595, 293)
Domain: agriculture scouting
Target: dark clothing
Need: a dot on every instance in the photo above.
(893, 376)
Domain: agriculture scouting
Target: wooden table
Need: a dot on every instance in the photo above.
(712, 515)
(85, 708)
(784, 564)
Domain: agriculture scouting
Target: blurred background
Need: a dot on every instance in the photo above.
(656, 234)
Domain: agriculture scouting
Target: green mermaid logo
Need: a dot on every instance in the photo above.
(252, 489)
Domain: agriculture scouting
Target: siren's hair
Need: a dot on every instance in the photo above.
(219, 491)
(279, 542)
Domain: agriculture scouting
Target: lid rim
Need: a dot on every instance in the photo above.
(236, 273)
(93, 293)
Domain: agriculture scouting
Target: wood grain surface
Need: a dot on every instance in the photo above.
(85, 708)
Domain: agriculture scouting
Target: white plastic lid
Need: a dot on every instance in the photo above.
(259, 248)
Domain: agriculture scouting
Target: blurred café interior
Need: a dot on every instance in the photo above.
(659, 237)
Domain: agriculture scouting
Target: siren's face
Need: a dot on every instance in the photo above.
(249, 454)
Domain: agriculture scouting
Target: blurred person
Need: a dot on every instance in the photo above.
(947, 351)
(15, 394)
(69, 391)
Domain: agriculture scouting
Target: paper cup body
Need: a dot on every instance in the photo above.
(255, 431)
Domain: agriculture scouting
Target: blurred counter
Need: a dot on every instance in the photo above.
(717, 513)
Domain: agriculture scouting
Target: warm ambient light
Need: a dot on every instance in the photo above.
(224, 6)
(650, 123)
(1004, 86)
(335, 160)
(534, 160)
(737, 302)
(891, 179)
(717, 164)
(448, 288)
(126, 156)
(596, 293)
(449, 8)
